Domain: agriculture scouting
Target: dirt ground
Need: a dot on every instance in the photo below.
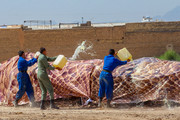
(74, 111)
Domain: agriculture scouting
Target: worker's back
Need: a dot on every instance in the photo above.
(22, 66)
(110, 62)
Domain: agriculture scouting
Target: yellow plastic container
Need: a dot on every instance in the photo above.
(60, 62)
(124, 54)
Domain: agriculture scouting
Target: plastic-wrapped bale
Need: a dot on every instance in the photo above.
(145, 79)
(138, 81)
(73, 80)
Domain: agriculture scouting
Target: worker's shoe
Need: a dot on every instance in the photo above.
(52, 105)
(109, 104)
(33, 104)
(15, 103)
(100, 102)
(42, 105)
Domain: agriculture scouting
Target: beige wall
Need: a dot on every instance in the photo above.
(142, 39)
(11, 40)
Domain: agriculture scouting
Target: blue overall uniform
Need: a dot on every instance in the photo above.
(106, 82)
(24, 80)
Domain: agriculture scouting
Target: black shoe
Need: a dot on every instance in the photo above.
(109, 104)
(100, 103)
(32, 100)
(33, 104)
(15, 103)
(42, 106)
(52, 105)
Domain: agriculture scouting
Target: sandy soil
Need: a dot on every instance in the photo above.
(77, 112)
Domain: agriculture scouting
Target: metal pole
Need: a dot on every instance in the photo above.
(59, 25)
(51, 23)
(82, 19)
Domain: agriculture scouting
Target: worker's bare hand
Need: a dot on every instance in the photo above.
(128, 60)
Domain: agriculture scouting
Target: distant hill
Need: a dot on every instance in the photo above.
(172, 15)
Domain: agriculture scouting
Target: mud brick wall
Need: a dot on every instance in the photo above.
(11, 40)
(141, 39)
(152, 39)
(65, 41)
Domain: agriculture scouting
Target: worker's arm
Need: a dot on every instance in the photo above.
(51, 58)
(118, 62)
(31, 62)
(47, 65)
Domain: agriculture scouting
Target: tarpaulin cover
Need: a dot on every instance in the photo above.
(142, 80)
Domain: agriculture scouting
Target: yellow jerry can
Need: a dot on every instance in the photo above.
(124, 54)
(60, 62)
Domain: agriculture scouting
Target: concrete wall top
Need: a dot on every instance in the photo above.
(153, 27)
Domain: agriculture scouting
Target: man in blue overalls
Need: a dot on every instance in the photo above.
(106, 82)
(23, 79)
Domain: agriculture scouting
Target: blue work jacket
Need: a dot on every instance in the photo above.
(110, 63)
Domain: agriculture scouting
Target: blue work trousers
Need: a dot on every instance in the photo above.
(106, 84)
(24, 86)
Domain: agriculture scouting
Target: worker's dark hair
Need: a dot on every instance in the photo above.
(20, 53)
(112, 51)
(42, 49)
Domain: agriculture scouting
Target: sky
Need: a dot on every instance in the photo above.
(69, 11)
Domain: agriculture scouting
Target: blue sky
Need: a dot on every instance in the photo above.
(16, 11)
